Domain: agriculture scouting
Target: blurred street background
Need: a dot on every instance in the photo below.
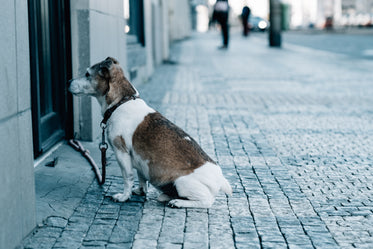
(355, 42)
(299, 14)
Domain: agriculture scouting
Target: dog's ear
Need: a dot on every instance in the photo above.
(112, 59)
(104, 70)
(105, 67)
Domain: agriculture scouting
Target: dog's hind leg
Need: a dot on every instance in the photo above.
(196, 194)
(179, 203)
(200, 187)
(163, 198)
(143, 185)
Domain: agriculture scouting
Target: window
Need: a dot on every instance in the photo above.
(134, 15)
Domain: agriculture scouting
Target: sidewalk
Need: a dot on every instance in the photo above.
(291, 128)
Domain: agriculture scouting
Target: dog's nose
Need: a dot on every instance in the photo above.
(69, 82)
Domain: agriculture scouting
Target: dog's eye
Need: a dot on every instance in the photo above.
(87, 74)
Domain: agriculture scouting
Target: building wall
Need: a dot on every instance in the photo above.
(156, 33)
(179, 14)
(16, 167)
(97, 32)
(343, 12)
(165, 21)
(357, 12)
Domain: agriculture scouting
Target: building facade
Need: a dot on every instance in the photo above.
(17, 198)
(44, 44)
(314, 13)
(357, 13)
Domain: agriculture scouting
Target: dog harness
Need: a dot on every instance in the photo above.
(110, 111)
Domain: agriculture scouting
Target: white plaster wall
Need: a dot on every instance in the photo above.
(165, 22)
(107, 38)
(166, 32)
(149, 34)
(97, 32)
(180, 24)
(155, 32)
(17, 197)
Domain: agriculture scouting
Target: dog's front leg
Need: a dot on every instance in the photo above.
(125, 165)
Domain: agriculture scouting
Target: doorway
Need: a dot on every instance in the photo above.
(50, 60)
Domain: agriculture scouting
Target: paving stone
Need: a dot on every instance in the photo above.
(94, 243)
(267, 245)
(123, 232)
(39, 242)
(302, 246)
(144, 243)
(119, 246)
(99, 232)
(53, 221)
(162, 245)
(69, 240)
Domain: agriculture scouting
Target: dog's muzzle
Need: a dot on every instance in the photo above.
(69, 83)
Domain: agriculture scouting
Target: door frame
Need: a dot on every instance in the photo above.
(56, 58)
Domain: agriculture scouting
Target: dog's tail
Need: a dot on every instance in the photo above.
(225, 186)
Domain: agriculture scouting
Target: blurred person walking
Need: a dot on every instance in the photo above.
(220, 14)
(245, 20)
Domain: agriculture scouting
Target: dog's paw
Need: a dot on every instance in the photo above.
(163, 198)
(121, 197)
(139, 191)
(174, 204)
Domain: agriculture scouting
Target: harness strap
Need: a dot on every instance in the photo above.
(111, 110)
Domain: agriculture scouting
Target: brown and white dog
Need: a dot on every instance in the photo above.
(162, 153)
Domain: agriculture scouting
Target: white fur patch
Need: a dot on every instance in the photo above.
(82, 86)
(124, 161)
(200, 187)
(187, 138)
(208, 174)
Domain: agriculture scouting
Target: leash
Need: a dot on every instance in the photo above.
(85, 153)
(103, 145)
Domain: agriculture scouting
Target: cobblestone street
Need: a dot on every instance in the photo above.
(292, 129)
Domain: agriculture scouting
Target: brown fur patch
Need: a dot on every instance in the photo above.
(120, 144)
(112, 83)
(119, 86)
(164, 146)
(102, 85)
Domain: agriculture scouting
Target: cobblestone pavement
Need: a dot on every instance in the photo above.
(291, 128)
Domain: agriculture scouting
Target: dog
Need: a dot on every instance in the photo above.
(142, 139)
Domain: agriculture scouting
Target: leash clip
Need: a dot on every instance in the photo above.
(103, 125)
(103, 145)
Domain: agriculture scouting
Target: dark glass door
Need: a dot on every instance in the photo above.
(50, 60)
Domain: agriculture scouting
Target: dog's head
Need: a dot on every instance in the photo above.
(104, 79)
